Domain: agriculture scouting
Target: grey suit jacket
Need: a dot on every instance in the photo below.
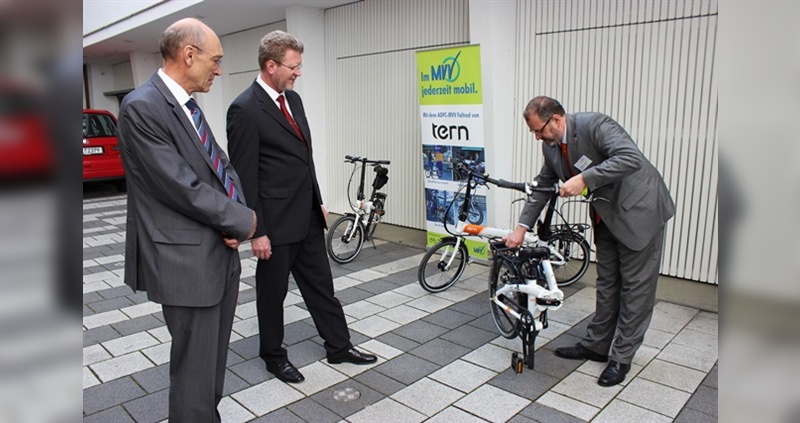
(638, 202)
(177, 205)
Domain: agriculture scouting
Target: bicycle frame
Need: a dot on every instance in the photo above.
(539, 297)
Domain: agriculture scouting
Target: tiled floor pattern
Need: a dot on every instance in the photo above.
(440, 358)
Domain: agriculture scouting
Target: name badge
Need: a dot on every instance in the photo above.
(583, 163)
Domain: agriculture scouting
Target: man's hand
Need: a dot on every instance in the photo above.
(573, 186)
(324, 212)
(231, 243)
(262, 247)
(514, 239)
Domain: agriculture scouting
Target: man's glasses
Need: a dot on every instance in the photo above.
(539, 131)
(291, 68)
(217, 60)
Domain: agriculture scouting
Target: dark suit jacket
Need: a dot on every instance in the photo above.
(177, 205)
(278, 174)
(638, 200)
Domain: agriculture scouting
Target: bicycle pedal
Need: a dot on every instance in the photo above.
(380, 212)
(517, 363)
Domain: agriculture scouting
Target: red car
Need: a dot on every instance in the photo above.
(101, 155)
(25, 147)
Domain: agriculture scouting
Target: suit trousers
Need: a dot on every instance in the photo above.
(307, 260)
(199, 354)
(626, 294)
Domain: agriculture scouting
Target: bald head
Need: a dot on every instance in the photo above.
(188, 31)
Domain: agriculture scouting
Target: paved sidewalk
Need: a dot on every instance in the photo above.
(440, 356)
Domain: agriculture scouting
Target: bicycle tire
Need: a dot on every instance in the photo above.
(575, 250)
(503, 273)
(434, 274)
(343, 245)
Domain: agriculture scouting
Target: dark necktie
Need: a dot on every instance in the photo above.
(211, 148)
(289, 117)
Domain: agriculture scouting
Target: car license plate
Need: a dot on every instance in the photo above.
(88, 151)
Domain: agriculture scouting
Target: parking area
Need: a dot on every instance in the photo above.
(441, 358)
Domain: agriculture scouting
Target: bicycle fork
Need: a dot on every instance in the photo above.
(449, 256)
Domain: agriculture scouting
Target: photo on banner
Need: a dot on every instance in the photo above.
(451, 121)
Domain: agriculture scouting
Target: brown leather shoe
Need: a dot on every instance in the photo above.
(579, 352)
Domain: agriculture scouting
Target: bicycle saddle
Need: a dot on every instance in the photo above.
(534, 252)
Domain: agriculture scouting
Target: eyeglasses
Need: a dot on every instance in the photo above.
(539, 131)
(217, 60)
(291, 68)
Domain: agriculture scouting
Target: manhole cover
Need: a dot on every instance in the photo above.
(346, 394)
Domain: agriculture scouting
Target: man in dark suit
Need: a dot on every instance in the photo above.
(270, 145)
(591, 151)
(186, 217)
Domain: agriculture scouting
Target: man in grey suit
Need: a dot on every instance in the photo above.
(591, 151)
(186, 217)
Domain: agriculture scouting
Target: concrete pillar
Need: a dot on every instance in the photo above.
(492, 25)
(143, 66)
(101, 79)
(308, 24)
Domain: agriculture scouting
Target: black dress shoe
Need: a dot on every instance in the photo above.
(614, 373)
(352, 356)
(579, 352)
(286, 372)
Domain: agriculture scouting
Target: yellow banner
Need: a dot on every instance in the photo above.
(450, 76)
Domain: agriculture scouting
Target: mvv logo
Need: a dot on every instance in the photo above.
(449, 70)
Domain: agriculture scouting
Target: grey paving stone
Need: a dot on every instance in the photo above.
(544, 414)
(342, 408)
(87, 311)
(95, 252)
(110, 304)
(93, 269)
(233, 359)
(250, 280)
(687, 415)
(394, 340)
(304, 353)
(579, 329)
(712, 380)
(233, 384)
(98, 335)
(337, 270)
(401, 278)
(246, 296)
(119, 291)
(529, 384)
(357, 338)
(407, 368)
(419, 331)
(379, 382)
(521, 419)
(352, 295)
(475, 306)
(152, 408)
(246, 348)
(138, 324)
(545, 361)
(563, 340)
(115, 265)
(311, 411)
(110, 394)
(297, 332)
(253, 371)
(154, 379)
(448, 318)
(377, 286)
(91, 297)
(159, 316)
(469, 336)
(139, 297)
(440, 351)
(705, 400)
(112, 415)
(485, 322)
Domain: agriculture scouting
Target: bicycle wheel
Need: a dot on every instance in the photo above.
(442, 265)
(503, 273)
(575, 250)
(475, 215)
(345, 239)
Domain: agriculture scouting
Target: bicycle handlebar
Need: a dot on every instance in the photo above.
(526, 187)
(353, 159)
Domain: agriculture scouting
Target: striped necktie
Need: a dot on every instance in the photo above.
(212, 149)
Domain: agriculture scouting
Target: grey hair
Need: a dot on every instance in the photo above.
(273, 47)
(544, 107)
(187, 31)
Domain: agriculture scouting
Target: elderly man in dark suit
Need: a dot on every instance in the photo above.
(270, 145)
(591, 151)
(186, 217)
